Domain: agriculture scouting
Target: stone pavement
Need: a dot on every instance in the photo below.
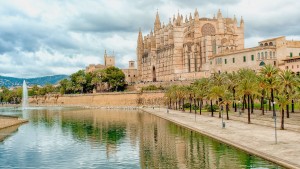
(6, 121)
(256, 139)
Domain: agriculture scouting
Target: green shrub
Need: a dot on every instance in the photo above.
(214, 107)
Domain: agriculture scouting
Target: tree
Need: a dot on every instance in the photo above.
(270, 73)
(288, 80)
(114, 77)
(248, 86)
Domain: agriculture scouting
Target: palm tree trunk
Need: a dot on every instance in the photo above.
(176, 105)
(243, 103)
(249, 110)
(183, 105)
(287, 111)
(211, 108)
(293, 106)
(270, 105)
(282, 119)
(273, 105)
(220, 110)
(195, 106)
(262, 105)
(200, 106)
(190, 104)
(235, 109)
(227, 109)
(252, 104)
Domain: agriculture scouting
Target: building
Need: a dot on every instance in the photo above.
(130, 73)
(195, 47)
(108, 61)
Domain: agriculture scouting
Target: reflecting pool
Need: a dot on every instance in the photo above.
(85, 138)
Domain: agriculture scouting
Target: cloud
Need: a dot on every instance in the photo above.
(60, 37)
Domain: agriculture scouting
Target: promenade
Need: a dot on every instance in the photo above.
(8, 121)
(257, 138)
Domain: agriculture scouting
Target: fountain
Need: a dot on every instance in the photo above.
(25, 96)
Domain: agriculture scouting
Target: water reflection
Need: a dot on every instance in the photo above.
(119, 139)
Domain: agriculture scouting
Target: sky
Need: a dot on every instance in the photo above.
(50, 37)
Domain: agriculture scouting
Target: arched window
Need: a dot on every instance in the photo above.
(271, 44)
(266, 44)
(262, 55)
(266, 55)
(270, 54)
(258, 56)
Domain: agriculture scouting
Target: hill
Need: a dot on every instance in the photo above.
(12, 81)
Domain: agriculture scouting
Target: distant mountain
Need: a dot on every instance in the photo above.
(12, 81)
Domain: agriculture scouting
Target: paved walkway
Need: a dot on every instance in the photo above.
(253, 138)
(10, 121)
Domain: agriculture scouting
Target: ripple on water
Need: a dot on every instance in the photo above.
(86, 138)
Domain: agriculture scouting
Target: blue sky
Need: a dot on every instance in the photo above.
(48, 37)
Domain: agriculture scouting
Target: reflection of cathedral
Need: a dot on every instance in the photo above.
(183, 46)
(193, 47)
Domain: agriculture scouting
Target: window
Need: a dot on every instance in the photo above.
(274, 54)
(258, 55)
(266, 55)
(233, 60)
(291, 54)
(274, 63)
(211, 62)
(244, 58)
(270, 54)
(286, 67)
(128, 75)
(252, 57)
(292, 67)
(225, 61)
(262, 55)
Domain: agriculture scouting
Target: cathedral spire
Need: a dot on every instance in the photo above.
(157, 24)
(219, 15)
(196, 14)
(191, 18)
(242, 22)
(234, 20)
(186, 19)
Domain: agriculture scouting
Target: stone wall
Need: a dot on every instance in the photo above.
(120, 99)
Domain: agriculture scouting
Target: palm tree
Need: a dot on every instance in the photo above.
(216, 92)
(282, 101)
(232, 84)
(248, 86)
(201, 90)
(288, 80)
(227, 100)
(270, 73)
(263, 86)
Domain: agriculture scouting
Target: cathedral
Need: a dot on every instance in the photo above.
(193, 47)
(182, 48)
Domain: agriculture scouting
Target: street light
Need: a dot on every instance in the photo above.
(274, 116)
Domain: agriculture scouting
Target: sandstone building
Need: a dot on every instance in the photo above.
(109, 60)
(194, 47)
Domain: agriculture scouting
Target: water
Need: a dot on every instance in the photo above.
(25, 96)
(82, 138)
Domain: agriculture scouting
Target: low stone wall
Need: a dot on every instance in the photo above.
(120, 99)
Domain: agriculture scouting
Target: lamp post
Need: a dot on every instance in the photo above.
(274, 116)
